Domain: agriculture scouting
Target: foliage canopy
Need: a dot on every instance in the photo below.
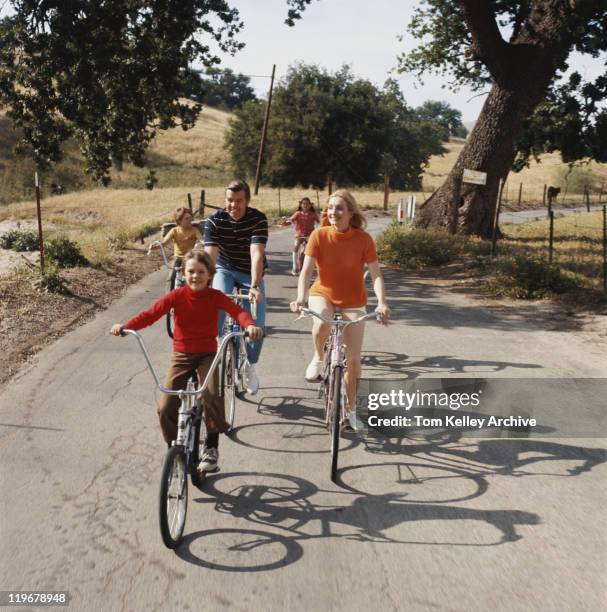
(335, 125)
(109, 73)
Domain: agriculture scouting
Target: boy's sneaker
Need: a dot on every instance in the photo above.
(314, 370)
(293, 272)
(208, 462)
(251, 381)
(351, 422)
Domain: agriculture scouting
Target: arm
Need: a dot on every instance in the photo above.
(303, 284)
(379, 288)
(146, 317)
(257, 256)
(211, 248)
(169, 237)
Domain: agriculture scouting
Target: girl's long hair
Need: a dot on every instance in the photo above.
(358, 220)
(310, 201)
(201, 257)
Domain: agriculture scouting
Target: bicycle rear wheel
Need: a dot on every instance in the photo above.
(228, 382)
(334, 418)
(173, 499)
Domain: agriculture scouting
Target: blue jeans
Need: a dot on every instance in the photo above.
(224, 280)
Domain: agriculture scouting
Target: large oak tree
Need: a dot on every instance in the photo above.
(519, 50)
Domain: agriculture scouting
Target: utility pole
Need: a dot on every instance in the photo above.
(263, 133)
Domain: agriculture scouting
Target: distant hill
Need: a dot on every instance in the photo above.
(178, 157)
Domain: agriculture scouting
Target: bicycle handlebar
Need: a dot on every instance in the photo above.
(245, 296)
(164, 256)
(183, 392)
(341, 322)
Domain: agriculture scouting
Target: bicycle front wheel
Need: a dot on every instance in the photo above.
(228, 382)
(335, 409)
(173, 499)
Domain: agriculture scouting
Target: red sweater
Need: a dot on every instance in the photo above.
(196, 314)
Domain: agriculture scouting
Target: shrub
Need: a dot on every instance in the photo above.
(527, 277)
(574, 179)
(50, 282)
(118, 242)
(65, 253)
(20, 240)
(417, 248)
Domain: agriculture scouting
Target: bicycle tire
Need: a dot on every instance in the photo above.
(228, 383)
(172, 526)
(334, 417)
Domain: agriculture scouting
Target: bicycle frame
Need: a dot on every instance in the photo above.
(332, 386)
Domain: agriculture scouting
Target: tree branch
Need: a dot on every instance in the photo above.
(488, 46)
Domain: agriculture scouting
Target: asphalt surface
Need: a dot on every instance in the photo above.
(415, 524)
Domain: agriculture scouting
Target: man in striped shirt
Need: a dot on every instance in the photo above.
(236, 239)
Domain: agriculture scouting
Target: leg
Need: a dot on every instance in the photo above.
(223, 281)
(320, 330)
(353, 339)
(180, 368)
(253, 347)
(214, 411)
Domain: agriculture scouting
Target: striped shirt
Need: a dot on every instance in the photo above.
(234, 238)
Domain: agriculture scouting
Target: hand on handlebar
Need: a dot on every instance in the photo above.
(296, 305)
(383, 310)
(256, 293)
(255, 333)
(116, 329)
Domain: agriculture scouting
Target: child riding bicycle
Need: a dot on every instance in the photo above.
(304, 219)
(184, 236)
(196, 309)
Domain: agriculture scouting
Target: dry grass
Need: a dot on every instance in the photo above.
(577, 246)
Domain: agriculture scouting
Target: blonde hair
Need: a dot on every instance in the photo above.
(358, 219)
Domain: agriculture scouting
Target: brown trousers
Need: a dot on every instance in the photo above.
(181, 367)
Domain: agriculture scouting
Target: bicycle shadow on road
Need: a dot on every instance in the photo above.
(283, 506)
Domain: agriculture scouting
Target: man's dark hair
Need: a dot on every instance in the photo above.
(240, 185)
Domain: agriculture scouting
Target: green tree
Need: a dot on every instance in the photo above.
(225, 88)
(110, 74)
(325, 124)
(449, 118)
(518, 49)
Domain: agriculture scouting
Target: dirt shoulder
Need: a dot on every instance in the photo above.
(30, 320)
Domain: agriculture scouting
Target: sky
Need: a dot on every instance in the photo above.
(361, 33)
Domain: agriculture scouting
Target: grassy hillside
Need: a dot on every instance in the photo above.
(195, 157)
(186, 162)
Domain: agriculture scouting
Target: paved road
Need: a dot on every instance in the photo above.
(417, 525)
(535, 214)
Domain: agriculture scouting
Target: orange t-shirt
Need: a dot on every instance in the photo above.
(340, 260)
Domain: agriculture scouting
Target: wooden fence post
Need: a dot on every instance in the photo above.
(386, 190)
(551, 243)
(520, 193)
(496, 215)
(39, 212)
(587, 196)
(190, 203)
(544, 195)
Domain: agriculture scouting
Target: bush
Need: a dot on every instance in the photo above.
(20, 240)
(50, 282)
(118, 242)
(527, 277)
(65, 253)
(574, 179)
(417, 248)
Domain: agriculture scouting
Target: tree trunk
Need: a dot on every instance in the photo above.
(521, 75)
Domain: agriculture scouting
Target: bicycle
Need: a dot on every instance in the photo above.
(232, 366)
(332, 387)
(183, 456)
(174, 281)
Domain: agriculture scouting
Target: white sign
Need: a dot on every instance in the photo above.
(474, 177)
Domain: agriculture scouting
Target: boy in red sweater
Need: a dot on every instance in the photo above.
(196, 306)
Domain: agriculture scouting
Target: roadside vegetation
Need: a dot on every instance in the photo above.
(521, 268)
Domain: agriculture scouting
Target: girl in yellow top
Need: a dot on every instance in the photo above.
(340, 252)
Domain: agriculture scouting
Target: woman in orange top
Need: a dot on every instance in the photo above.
(340, 252)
